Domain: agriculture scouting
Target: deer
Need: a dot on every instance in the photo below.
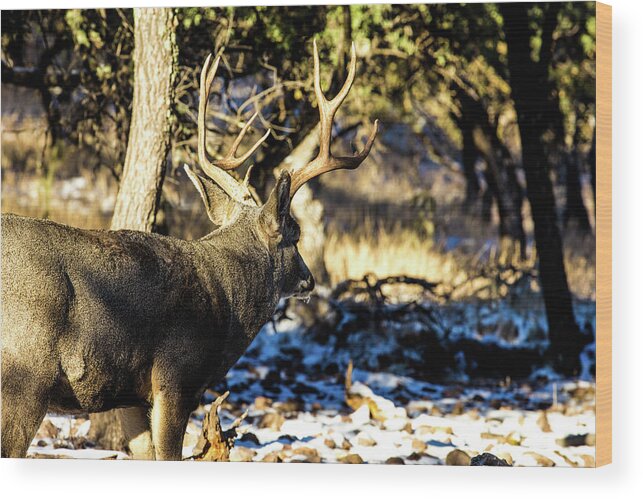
(94, 320)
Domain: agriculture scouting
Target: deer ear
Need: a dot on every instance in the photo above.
(276, 210)
(219, 206)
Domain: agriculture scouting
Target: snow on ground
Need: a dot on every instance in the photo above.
(294, 389)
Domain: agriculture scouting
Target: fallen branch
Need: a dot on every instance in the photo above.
(214, 443)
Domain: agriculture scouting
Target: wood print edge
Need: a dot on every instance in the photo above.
(603, 234)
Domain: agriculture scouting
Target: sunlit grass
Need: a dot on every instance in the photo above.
(384, 253)
(375, 227)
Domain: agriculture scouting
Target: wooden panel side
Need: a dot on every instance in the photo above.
(603, 234)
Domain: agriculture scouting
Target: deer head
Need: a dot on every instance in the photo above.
(230, 202)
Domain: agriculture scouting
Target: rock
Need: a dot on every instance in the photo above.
(577, 440)
(81, 429)
(190, 439)
(474, 414)
(289, 405)
(311, 455)
(358, 395)
(458, 457)
(501, 439)
(366, 440)
(262, 403)
(513, 438)
(330, 443)
(361, 416)
(395, 423)
(415, 456)
(394, 460)
(540, 459)
(306, 451)
(249, 437)
(424, 429)
(272, 457)
(272, 420)
(418, 445)
(351, 459)
(62, 444)
(507, 457)
(487, 459)
(458, 408)
(242, 454)
(47, 430)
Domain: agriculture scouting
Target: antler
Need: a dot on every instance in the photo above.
(218, 170)
(325, 161)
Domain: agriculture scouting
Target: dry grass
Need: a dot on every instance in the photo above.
(402, 251)
(385, 253)
(377, 222)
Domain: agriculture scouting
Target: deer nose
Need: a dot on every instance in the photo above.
(307, 285)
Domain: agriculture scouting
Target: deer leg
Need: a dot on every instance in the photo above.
(22, 412)
(170, 416)
(136, 426)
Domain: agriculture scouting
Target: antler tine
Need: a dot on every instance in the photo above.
(333, 104)
(207, 76)
(325, 161)
(217, 170)
(230, 162)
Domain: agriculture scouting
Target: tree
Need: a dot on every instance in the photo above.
(155, 55)
(575, 210)
(531, 90)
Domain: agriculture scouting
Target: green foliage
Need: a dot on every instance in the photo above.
(415, 63)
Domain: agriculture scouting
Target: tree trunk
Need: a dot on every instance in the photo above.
(575, 210)
(148, 145)
(592, 168)
(530, 88)
(155, 54)
(500, 176)
(506, 193)
(469, 151)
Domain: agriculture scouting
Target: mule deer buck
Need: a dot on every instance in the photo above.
(95, 320)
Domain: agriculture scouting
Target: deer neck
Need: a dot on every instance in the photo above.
(243, 279)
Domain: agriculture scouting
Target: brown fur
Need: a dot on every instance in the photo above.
(96, 320)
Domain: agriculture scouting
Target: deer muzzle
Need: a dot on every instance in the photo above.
(305, 287)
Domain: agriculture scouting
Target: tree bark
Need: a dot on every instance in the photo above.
(148, 145)
(155, 55)
(531, 89)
